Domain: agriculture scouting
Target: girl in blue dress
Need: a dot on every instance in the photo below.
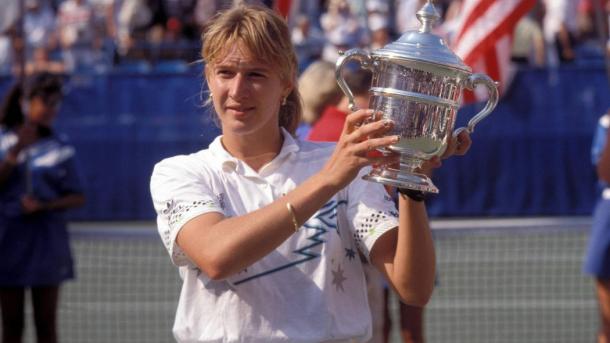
(38, 182)
(597, 262)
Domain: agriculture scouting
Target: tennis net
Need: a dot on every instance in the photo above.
(509, 280)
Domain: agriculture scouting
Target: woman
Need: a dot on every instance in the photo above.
(597, 262)
(38, 182)
(266, 229)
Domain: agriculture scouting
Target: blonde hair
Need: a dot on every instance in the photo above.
(318, 88)
(265, 35)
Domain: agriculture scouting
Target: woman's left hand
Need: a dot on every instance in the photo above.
(458, 144)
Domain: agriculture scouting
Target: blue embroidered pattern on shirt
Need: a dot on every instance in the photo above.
(324, 220)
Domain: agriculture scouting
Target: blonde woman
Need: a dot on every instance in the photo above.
(266, 229)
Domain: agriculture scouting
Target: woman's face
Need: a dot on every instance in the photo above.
(246, 92)
(42, 109)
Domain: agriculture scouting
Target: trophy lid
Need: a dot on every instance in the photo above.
(422, 45)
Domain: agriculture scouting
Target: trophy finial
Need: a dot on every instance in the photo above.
(427, 16)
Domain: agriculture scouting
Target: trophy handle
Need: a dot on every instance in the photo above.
(492, 88)
(365, 61)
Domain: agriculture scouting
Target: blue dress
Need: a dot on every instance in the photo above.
(35, 249)
(597, 260)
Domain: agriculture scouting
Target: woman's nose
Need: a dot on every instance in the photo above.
(239, 87)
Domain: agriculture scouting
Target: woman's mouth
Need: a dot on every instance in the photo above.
(239, 110)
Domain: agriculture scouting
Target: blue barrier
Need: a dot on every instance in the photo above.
(530, 157)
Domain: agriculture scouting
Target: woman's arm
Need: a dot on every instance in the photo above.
(223, 246)
(406, 256)
(33, 205)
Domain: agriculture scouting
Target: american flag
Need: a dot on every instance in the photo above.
(284, 7)
(483, 36)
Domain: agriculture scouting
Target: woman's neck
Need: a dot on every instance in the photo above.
(254, 150)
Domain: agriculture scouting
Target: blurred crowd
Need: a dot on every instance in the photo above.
(102, 35)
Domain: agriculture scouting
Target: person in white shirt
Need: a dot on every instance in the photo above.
(266, 230)
(75, 24)
(560, 29)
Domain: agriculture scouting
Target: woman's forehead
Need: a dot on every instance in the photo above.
(238, 54)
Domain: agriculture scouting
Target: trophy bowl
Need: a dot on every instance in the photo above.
(417, 83)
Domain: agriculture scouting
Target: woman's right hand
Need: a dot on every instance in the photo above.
(361, 136)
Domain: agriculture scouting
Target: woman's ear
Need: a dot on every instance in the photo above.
(289, 88)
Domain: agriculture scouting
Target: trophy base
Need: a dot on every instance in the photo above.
(402, 179)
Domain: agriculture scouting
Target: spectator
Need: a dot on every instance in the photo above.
(7, 50)
(597, 260)
(528, 43)
(378, 12)
(308, 41)
(38, 182)
(134, 18)
(39, 26)
(406, 20)
(342, 30)
(560, 27)
(41, 37)
(319, 89)
(76, 34)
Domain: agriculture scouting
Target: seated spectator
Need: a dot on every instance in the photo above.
(378, 23)
(308, 41)
(40, 37)
(342, 29)
(560, 26)
(319, 90)
(76, 34)
(592, 26)
(528, 43)
(134, 17)
(6, 50)
(406, 20)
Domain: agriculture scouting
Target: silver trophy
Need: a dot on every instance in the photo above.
(417, 83)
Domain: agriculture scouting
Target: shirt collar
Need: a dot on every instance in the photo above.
(230, 163)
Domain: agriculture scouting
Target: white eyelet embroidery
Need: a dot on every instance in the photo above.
(368, 226)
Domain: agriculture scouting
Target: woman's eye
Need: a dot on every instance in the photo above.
(224, 72)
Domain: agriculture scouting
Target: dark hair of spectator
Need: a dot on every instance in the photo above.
(43, 84)
(10, 113)
(38, 85)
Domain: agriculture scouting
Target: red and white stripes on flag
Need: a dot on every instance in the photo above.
(483, 36)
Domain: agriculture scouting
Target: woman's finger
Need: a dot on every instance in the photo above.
(356, 119)
(372, 144)
(463, 143)
(371, 130)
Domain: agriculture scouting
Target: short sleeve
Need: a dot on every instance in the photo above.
(7, 141)
(72, 180)
(180, 192)
(371, 212)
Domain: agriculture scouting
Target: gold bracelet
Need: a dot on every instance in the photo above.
(293, 216)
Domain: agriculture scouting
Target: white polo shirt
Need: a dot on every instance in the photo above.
(311, 288)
